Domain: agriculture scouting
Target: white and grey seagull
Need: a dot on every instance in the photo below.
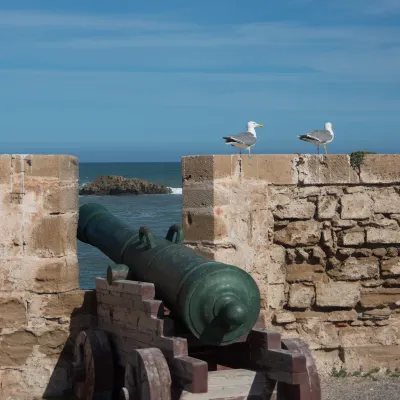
(319, 137)
(244, 140)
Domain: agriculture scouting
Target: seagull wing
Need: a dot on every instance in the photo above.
(320, 136)
(245, 138)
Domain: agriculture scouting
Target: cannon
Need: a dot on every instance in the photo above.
(218, 303)
(173, 325)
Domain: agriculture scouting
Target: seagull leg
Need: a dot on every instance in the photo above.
(325, 149)
(318, 148)
(249, 152)
(240, 151)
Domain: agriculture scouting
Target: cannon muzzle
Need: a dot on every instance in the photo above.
(218, 303)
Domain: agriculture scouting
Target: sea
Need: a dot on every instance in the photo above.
(157, 212)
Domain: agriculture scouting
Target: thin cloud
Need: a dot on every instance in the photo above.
(30, 19)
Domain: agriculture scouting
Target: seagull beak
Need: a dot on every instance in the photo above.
(260, 125)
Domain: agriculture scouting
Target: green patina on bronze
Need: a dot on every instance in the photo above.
(357, 157)
(117, 272)
(218, 303)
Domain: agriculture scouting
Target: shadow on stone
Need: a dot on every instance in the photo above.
(83, 317)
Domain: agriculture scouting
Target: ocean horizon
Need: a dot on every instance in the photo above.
(157, 212)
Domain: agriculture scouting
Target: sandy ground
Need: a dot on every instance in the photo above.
(360, 389)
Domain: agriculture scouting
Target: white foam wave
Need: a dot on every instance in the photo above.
(176, 190)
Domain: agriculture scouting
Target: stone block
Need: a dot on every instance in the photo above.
(54, 275)
(61, 198)
(206, 168)
(75, 302)
(299, 233)
(277, 169)
(51, 236)
(368, 336)
(284, 317)
(337, 294)
(201, 168)
(391, 268)
(319, 335)
(60, 167)
(296, 209)
(366, 358)
(327, 206)
(13, 311)
(326, 360)
(301, 296)
(379, 297)
(383, 236)
(304, 273)
(354, 237)
(275, 268)
(353, 269)
(356, 206)
(276, 296)
(386, 201)
(332, 169)
(380, 168)
(16, 347)
(5, 169)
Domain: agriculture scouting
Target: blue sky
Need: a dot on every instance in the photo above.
(137, 81)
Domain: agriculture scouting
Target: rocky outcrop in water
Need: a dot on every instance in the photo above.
(118, 185)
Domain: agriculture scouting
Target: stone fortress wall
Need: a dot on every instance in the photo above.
(321, 238)
(40, 303)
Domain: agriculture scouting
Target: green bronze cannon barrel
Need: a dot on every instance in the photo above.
(218, 303)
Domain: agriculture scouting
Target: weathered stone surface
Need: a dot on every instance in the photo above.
(76, 301)
(284, 317)
(201, 168)
(383, 236)
(277, 169)
(353, 269)
(380, 168)
(319, 334)
(16, 347)
(308, 191)
(385, 336)
(353, 237)
(337, 294)
(61, 199)
(52, 236)
(304, 273)
(379, 297)
(327, 206)
(386, 201)
(13, 311)
(376, 314)
(276, 272)
(301, 296)
(356, 206)
(60, 167)
(203, 225)
(276, 296)
(391, 268)
(366, 358)
(297, 209)
(299, 233)
(332, 169)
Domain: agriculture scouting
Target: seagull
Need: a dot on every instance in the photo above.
(318, 137)
(246, 139)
